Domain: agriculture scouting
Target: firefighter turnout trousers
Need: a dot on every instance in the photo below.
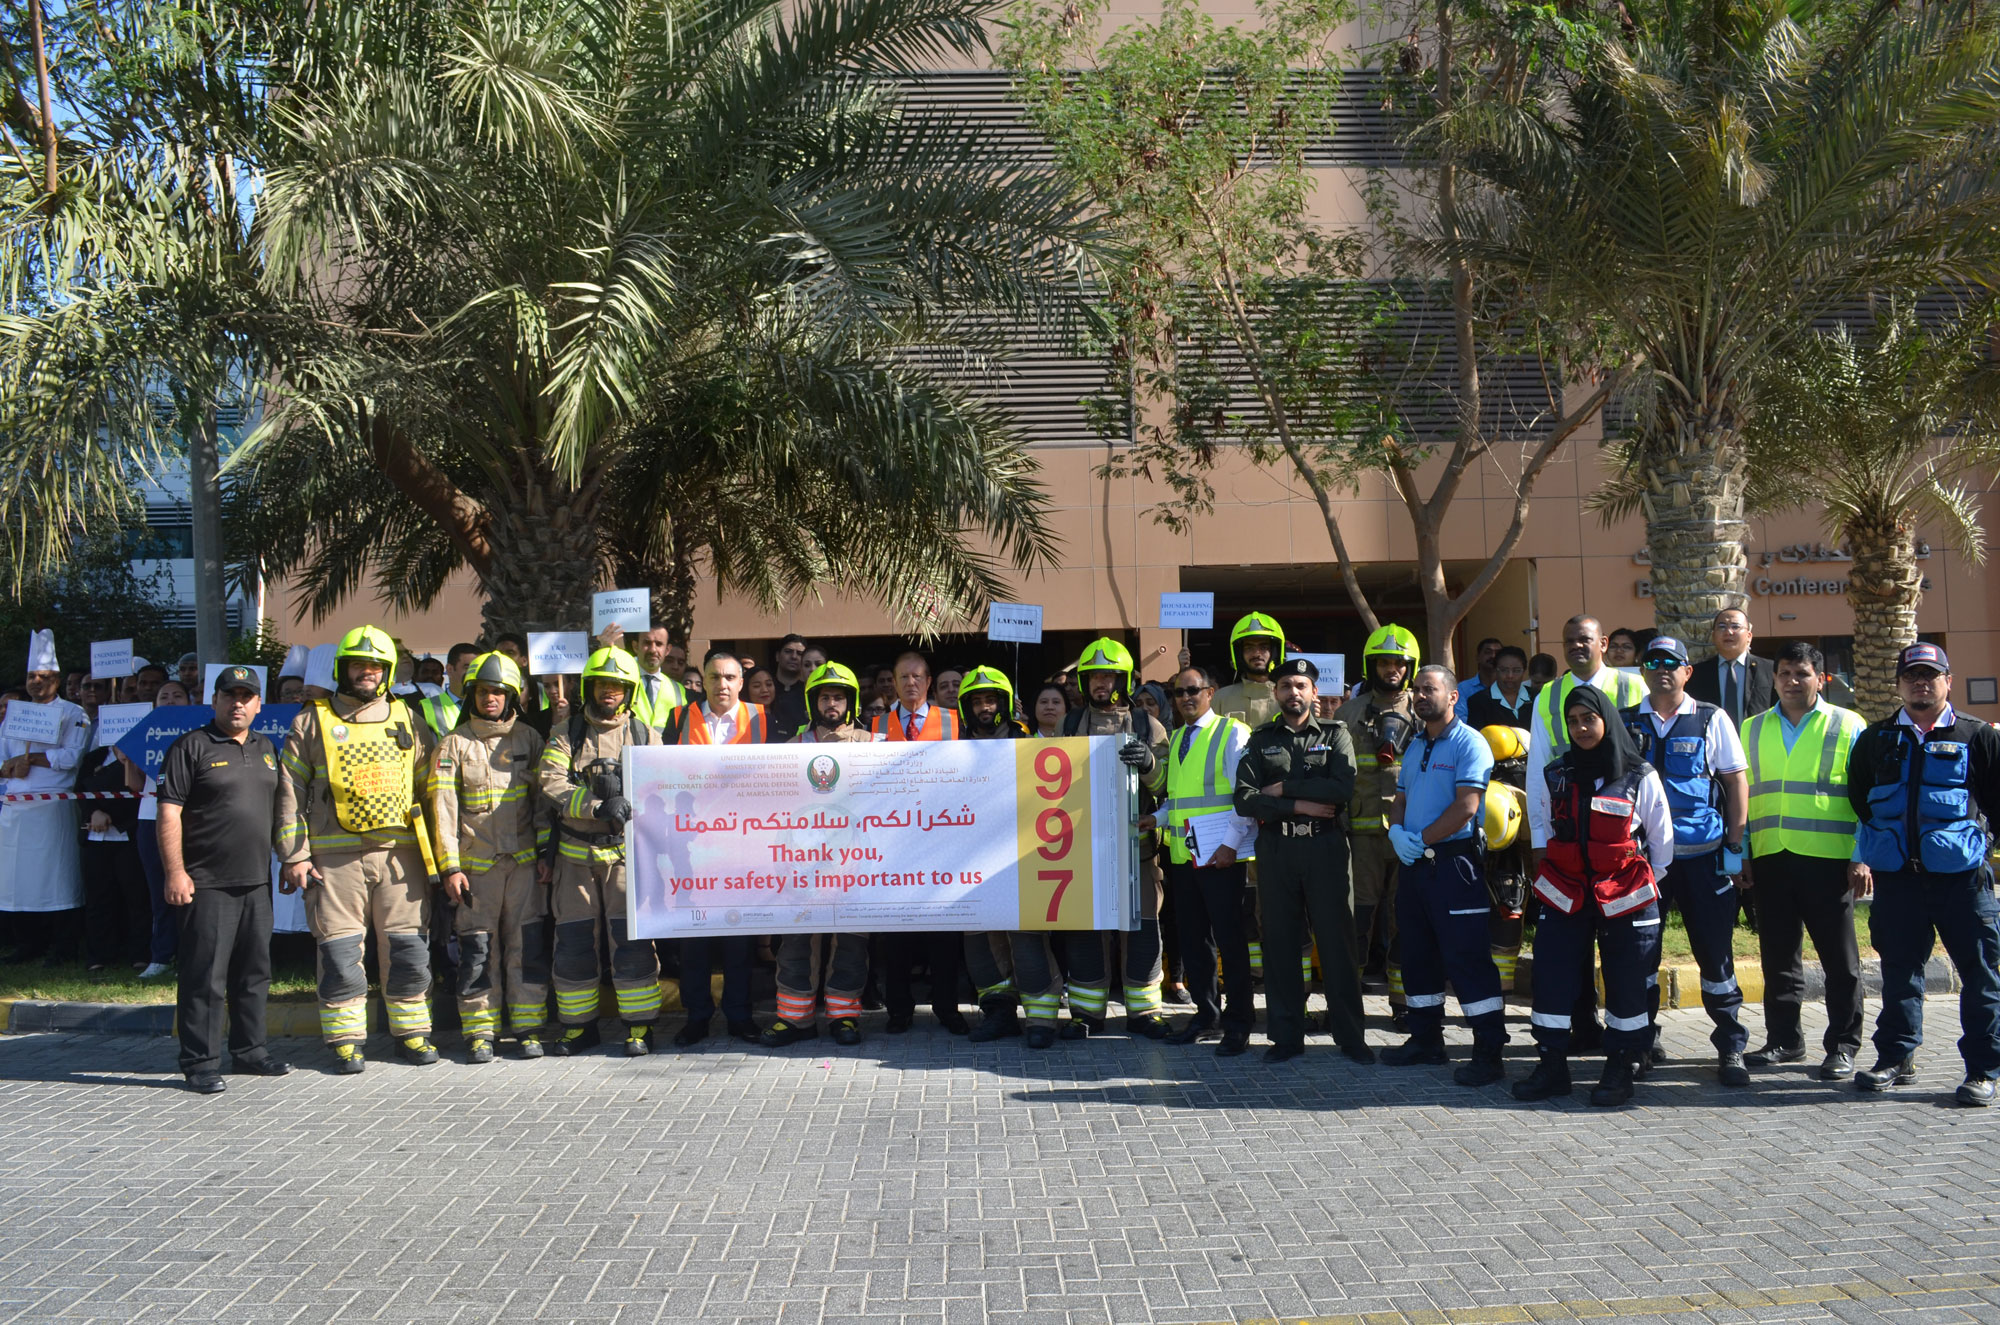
(386, 890)
(588, 902)
(503, 951)
(1018, 967)
(804, 960)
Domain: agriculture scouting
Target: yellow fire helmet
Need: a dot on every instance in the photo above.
(1256, 626)
(1506, 808)
(370, 642)
(494, 669)
(833, 674)
(1108, 655)
(987, 678)
(612, 665)
(1505, 742)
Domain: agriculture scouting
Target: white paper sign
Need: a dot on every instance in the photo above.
(319, 666)
(631, 610)
(41, 723)
(114, 720)
(214, 670)
(1187, 611)
(111, 657)
(1332, 670)
(557, 652)
(1014, 623)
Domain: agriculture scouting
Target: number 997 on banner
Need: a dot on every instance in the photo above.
(1053, 827)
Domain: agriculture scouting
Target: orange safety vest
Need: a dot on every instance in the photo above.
(938, 726)
(690, 728)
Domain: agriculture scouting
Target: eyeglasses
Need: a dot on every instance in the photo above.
(1189, 692)
(1731, 627)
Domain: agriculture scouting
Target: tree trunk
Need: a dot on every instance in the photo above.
(545, 560)
(673, 604)
(1883, 589)
(1695, 527)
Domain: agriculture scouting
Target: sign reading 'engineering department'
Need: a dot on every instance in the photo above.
(875, 836)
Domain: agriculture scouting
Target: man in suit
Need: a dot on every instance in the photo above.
(1734, 680)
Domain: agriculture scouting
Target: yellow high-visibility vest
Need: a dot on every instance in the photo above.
(1550, 724)
(1200, 782)
(1798, 797)
(370, 767)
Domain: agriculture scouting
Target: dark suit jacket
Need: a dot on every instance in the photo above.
(1760, 687)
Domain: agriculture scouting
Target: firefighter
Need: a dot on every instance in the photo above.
(1380, 722)
(484, 812)
(353, 765)
(1256, 645)
(833, 703)
(582, 777)
(1016, 971)
(1106, 674)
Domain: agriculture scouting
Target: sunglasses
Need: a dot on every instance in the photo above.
(1188, 692)
(1661, 664)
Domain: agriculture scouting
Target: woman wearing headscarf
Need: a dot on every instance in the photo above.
(1602, 832)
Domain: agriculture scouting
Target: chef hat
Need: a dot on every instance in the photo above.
(295, 662)
(42, 651)
(319, 666)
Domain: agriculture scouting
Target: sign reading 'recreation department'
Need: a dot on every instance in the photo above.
(863, 837)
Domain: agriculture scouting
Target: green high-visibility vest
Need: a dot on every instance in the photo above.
(1200, 782)
(1550, 724)
(1798, 797)
(655, 713)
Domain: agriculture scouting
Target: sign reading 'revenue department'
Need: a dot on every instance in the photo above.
(942, 835)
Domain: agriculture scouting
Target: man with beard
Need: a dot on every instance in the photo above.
(1256, 645)
(833, 698)
(1442, 905)
(1294, 779)
(347, 825)
(1106, 671)
(582, 776)
(1379, 721)
(483, 808)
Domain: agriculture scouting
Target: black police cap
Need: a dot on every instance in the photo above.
(1296, 667)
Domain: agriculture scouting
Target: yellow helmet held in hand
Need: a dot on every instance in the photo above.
(1505, 742)
(1107, 655)
(1506, 807)
(612, 665)
(987, 679)
(1256, 626)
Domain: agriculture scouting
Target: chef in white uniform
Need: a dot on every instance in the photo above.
(39, 877)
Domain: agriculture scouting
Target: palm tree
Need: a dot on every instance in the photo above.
(1714, 183)
(632, 288)
(1889, 427)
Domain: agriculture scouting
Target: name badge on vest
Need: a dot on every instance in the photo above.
(1948, 749)
(1610, 805)
(1684, 745)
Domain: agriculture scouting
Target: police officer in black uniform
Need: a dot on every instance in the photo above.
(1295, 775)
(1925, 783)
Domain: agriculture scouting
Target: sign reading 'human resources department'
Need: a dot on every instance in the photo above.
(867, 837)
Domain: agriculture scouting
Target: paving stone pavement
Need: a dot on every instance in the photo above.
(924, 1179)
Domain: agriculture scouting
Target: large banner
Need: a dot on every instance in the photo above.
(886, 835)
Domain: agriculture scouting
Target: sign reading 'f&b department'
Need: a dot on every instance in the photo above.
(945, 835)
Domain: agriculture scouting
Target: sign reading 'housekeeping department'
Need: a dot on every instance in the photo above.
(893, 835)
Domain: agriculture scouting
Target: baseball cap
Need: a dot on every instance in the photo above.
(1667, 645)
(1922, 655)
(238, 678)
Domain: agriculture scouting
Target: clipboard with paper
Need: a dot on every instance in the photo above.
(1209, 833)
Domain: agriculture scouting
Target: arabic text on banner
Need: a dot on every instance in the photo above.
(876, 836)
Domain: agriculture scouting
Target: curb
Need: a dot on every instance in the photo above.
(290, 1019)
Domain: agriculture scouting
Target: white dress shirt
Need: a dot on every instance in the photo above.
(721, 726)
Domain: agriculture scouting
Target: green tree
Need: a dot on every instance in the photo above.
(1713, 181)
(633, 289)
(1240, 319)
(92, 595)
(1890, 426)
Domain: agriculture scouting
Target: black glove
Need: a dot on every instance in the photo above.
(614, 810)
(1135, 753)
(607, 786)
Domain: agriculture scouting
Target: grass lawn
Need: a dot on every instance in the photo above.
(291, 979)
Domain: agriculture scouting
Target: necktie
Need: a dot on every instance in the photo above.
(909, 726)
(652, 688)
(1187, 740)
(1729, 699)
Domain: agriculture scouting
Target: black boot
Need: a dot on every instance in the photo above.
(1615, 1086)
(999, 1018)
(1417, 1050)
(1550, 1078)
(1484, 1069)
